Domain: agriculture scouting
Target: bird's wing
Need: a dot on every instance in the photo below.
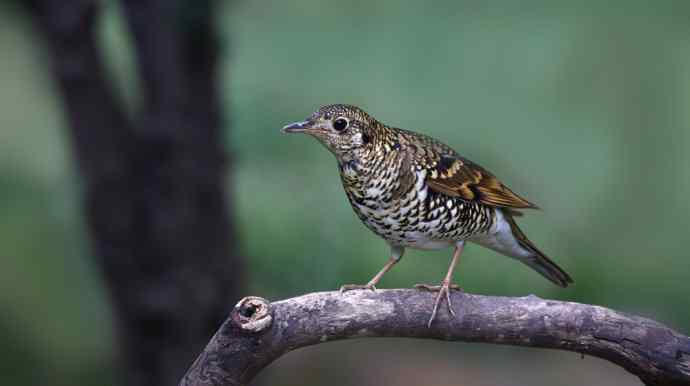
(450, 174)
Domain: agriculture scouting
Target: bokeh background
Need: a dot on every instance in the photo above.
(582, 107)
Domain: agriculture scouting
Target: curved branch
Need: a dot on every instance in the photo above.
(258, 332)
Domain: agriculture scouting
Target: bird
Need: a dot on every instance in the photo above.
(416, 192)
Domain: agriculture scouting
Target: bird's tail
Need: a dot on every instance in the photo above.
(536, 259)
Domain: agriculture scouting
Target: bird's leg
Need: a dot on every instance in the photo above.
(396, 255)
(445, 287)
(374, 280)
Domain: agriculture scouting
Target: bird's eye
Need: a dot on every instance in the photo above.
(340, 124)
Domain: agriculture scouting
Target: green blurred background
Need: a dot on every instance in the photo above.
(581, 107)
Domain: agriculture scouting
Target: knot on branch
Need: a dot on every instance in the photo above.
(252, 314)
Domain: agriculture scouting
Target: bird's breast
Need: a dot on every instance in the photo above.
(398, 205)
(383, 208)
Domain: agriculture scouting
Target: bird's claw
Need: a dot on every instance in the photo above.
(348, 287)
(436, 288)
(443, 290)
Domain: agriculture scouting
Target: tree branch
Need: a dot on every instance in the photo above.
(258, 332)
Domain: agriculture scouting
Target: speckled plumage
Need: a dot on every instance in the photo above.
(414, 191)
(387, 187)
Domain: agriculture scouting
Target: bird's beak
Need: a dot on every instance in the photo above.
(297, 127)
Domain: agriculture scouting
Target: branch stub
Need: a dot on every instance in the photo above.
(252, 314)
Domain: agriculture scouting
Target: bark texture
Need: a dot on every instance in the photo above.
(258, 332)
(153, 180)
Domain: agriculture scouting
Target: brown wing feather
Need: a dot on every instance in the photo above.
(457, 177)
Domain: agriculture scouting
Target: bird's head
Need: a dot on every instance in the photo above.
(341, 128)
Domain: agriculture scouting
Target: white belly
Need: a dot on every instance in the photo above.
(500, 238)
(420, 241)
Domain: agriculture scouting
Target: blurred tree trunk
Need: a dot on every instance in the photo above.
(154, 183)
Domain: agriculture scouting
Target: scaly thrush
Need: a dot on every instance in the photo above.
(414, 191)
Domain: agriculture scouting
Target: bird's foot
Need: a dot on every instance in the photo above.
(349, 287)
(436, 288)
(443, 291)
